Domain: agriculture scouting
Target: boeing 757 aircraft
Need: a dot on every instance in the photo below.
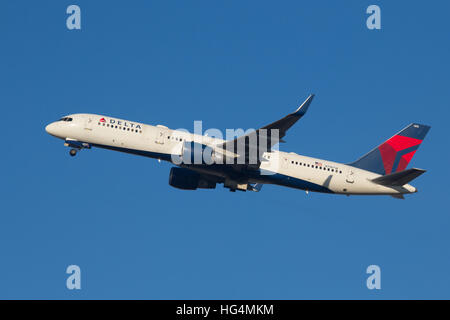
(249, 161)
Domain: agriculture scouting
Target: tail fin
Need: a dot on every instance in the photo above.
(394, 154)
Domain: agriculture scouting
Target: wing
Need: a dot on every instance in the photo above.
(288, 121)
(251, 146)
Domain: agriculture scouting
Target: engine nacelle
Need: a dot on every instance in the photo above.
(186, 179)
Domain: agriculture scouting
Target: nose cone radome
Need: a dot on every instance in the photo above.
(51, 129)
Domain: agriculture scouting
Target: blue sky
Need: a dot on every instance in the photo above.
(231, 64)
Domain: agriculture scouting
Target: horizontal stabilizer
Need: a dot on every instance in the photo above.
(399, 178)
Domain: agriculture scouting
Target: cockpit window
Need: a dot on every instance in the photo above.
(66, 119)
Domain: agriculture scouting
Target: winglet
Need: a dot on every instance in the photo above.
(304, 107)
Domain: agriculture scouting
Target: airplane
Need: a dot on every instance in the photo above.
(382, 171)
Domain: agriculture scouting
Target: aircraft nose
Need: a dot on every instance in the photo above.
(50, 128)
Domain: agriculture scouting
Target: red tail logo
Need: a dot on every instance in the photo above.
(397, 152)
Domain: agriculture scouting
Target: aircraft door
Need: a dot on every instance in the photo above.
(88, 123)
(160, 136)
(284, 162)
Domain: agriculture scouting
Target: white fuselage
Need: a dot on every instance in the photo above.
(160, 142)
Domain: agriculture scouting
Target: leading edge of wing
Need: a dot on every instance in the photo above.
(288, 121)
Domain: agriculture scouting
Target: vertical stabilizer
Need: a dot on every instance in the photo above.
(394, 154)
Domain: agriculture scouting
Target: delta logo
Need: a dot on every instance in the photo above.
(125, 124)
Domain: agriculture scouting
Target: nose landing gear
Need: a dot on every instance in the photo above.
(76, 146)
(73, 152)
